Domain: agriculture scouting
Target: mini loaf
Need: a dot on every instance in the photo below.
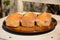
(44, 19)
(13, 20)
(28, 19)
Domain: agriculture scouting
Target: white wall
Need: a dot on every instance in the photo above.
(57, 2)
(20, 4)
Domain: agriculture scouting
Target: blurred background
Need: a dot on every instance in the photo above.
(9, 6)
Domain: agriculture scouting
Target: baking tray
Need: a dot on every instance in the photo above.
(8, 29)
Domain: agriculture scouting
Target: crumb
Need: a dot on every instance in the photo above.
(10, 37)
(51, 37)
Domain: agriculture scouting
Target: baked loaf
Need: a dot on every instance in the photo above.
(13, 20)
(28, 19)
(30, 22)
(44, 19)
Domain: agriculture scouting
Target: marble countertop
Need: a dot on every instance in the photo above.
(53, 35)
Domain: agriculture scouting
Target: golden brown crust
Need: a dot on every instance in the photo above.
(28, 19)
(44, 16)
(13, 19)
(28, 16)
(31, 29)
(14, 16)
(22, 29)
(44, 19)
